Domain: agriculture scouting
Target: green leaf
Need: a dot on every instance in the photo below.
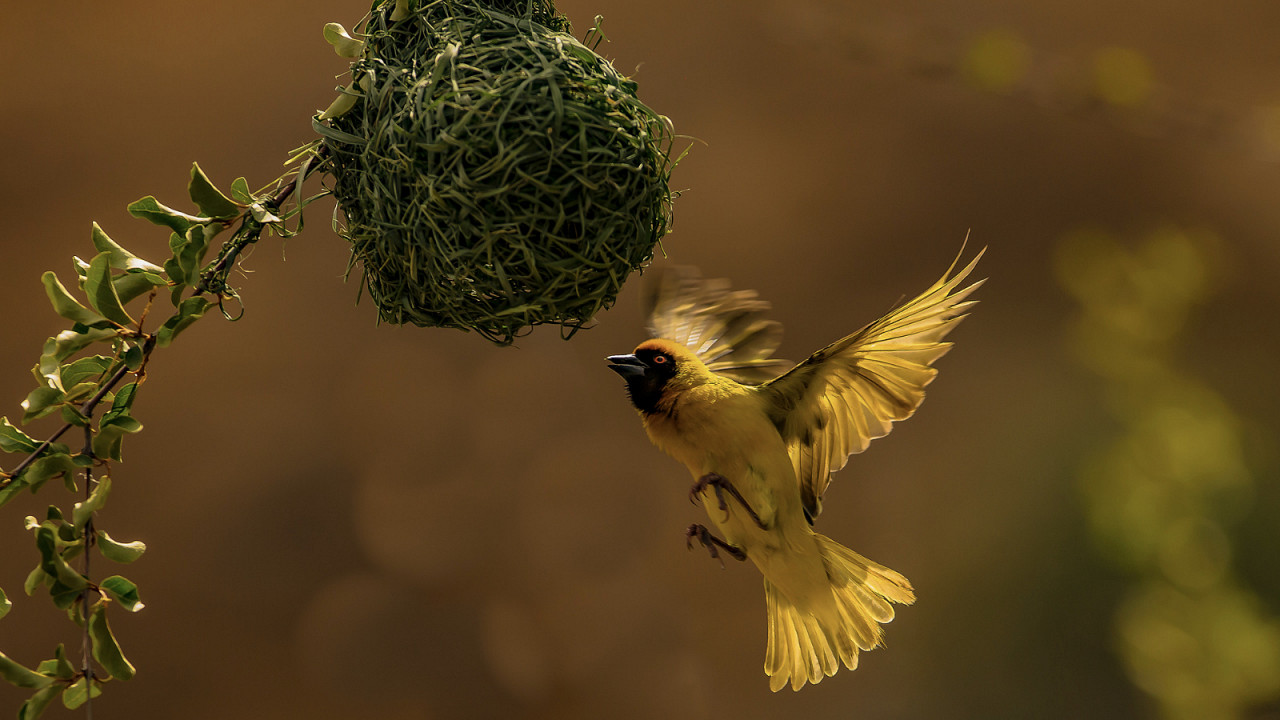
(240, 191)
(64, 598)
(107, 442)
(56, 567)
(21, 675)
(66, 305)
(35, 579)
(69, 534)
(64, 668)
(35, 705)
(97, 499)
(135, 283)
(261, 214)
(173, 268)
(102, 291)
(341, 105)
(191, 255)
(126, 423)
(189, 311)
(105, 648)
(49, 467)
(208, 198)
(121, 259)
(14, 440)
(343, 44)
(41, 402)
(86, 368)
(133, 358)
(49, 370)
(122, 591)
(72, 414)
(79, 693)
(92, 504)
(118, 551)
(81, 268)
(150, 209)
(79, 391)
(5, 604)
(59, 666)
(122, 403)
(10, 490)
(69, 342)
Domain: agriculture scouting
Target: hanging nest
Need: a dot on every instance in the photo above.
(494, 172)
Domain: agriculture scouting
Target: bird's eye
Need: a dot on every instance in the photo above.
(659, 359)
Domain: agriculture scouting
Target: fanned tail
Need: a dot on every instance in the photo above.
(807, 646)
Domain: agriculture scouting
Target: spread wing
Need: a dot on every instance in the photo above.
(852, 391)
(726, 329)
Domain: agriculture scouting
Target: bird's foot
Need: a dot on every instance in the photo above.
(721, 486)
(711, 543)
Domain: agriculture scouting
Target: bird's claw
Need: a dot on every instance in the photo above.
(721, 486)
(711, 543)
(711, 480)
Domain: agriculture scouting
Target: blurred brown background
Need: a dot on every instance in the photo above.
(347, 520)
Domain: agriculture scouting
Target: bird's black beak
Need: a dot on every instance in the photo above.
(628, 366)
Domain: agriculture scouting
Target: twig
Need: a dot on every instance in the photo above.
(85, 409)
(249, 233)
(86, 659)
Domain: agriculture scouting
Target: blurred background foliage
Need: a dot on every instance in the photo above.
(1164, 497)
(345, 519)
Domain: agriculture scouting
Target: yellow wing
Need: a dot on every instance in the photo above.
(726, 329)
(850, 392)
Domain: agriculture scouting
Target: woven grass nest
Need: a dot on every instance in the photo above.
(494, 172)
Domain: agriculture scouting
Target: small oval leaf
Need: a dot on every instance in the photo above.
(121, 259)
(79, 693)
(105, 648)
(21, 675)
(148, 208)
(66, 305)
(35, 705)
(209, 198)
(117, 551)
(101, 290)
(123, 591)
(343, 44)
(14, 440)
(95, 502)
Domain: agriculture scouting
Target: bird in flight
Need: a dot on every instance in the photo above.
(761, 439)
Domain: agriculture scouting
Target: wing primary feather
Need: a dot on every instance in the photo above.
(842, 397)
(852, 391)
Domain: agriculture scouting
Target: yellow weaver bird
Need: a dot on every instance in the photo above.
(762, 441)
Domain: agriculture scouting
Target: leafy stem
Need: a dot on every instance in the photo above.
(86, 410)
(86, 657)
(119, 291)
(254, 220)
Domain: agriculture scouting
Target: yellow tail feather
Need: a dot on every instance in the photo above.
(807, 646)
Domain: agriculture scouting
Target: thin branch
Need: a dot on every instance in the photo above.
(86, 659)
(220, 267)
(85, 409)
(248, 233)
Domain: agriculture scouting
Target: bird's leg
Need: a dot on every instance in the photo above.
(721, 486)
(711, 542)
